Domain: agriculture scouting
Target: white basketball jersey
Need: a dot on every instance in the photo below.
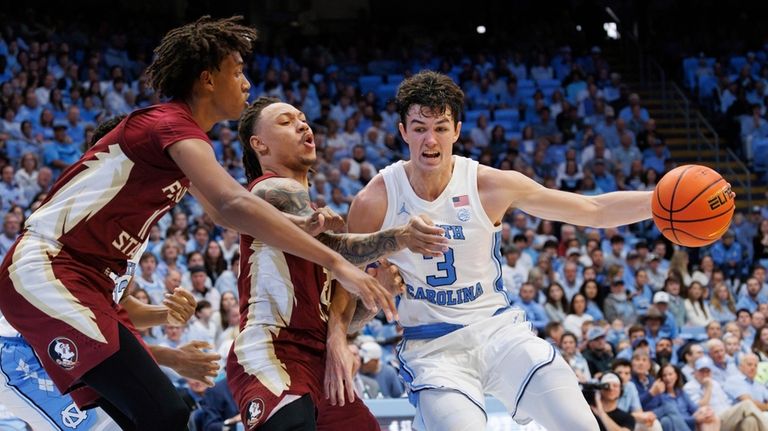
(464, 285)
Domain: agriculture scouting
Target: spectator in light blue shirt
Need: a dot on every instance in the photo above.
(750, 299)
(60, 153)
(723, 368)
(727, 254)
(10, 193)
(742, 385)
(534, 312)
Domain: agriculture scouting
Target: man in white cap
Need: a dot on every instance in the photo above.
(384, 374)
(656, 274)
(606, 409)
(705, 391)
(661, 301)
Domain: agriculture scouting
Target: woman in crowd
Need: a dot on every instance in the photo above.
(591, 291)
(697, 311)
(556, 305)
(577, 315)
(572, 355)
(722, 306)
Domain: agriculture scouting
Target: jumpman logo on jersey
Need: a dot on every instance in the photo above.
(403, 210)
(42, 383)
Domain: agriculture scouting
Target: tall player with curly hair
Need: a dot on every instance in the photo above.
(56, 282)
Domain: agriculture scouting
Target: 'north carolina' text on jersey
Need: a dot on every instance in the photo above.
(104, 204)
(464, 285)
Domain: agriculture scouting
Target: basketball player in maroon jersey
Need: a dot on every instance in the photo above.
(55, 285)
(276, 366)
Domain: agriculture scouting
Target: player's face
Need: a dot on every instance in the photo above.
(289, 140)
(230, 87)
(430, 137)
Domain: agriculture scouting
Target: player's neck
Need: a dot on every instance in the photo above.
(286, 172)
(204, 113)
(428, 185)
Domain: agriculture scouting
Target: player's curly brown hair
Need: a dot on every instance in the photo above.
(187, 51)
(246, 129)
(433, 91)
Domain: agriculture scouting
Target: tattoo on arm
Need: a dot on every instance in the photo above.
(361, 316)
(285, 194)
(289, 196)
(362, 249)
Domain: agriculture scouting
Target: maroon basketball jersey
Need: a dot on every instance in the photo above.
(282, 290)
(104, 204)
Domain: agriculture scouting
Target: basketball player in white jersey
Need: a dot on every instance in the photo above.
(461, 339)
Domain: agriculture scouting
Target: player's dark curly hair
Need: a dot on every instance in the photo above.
(432, 91)
(187, 51)
(246, 129)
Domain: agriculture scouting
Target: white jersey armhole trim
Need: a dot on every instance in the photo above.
(471, 171)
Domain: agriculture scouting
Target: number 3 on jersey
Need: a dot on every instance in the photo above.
(446, 266)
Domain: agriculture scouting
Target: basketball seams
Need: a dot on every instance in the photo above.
(708, 240)
(698, 195)
(672, 202)
(660, 217)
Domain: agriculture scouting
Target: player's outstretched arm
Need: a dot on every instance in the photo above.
(501, 189)
(419, 234)
(190, 360)
(176, 309)
(247, 213)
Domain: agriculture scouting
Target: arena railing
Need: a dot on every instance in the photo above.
(702, 136)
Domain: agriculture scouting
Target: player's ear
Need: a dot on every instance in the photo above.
(258, 145)
(206, 79)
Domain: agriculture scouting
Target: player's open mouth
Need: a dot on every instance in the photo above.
(431, 154)
(309, 140)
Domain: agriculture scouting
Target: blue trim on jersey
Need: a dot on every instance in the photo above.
(429, 331)
(530, 374)
(498, 283)
(502, 310)
(27, 399)
(413, 390)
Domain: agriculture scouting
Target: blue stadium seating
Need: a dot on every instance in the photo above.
(369, 83)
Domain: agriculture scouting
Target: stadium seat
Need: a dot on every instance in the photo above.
(690, 65)
(548, 83)
(395, 78)
(470, 117)
(369, 83)
(506, 114)
(737, 63)
(707, 85)
(386, 91)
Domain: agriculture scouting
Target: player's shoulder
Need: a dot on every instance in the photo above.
(368, 210)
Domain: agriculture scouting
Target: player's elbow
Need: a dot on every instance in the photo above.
(231, 206)
(594, 213)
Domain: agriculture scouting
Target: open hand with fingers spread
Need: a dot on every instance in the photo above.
(195, 363)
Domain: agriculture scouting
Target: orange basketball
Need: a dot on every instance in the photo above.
(692, 205)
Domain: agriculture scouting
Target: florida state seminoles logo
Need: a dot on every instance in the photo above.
(63, 351)
(255, 412)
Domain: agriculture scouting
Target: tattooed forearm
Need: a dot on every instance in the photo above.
(361, 316)
(285, 194)
(362, 249)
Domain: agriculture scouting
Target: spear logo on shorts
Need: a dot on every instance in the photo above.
(63, 351)
(255, 411)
